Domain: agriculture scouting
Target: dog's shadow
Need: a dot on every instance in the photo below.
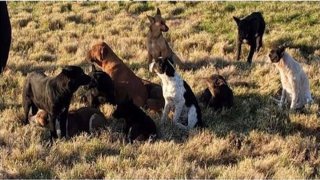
(254, 112)
(219, 63)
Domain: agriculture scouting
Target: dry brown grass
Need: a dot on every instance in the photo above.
(252, 140)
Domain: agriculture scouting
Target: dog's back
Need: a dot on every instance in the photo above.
(36, 89)
(85, 119)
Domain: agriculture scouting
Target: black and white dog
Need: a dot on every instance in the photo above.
(177, 94)
(250, 30)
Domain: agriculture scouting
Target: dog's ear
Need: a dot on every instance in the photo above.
(281, 50)
(158, 12)
(237, 20)
(103, 52)
(67, 70)
(151, 19)
(209, 85)
(220, 82)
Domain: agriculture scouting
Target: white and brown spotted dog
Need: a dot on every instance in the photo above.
(295, 84)
(177, 94)
(85, 119)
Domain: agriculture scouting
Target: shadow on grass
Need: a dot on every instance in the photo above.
(255, 112)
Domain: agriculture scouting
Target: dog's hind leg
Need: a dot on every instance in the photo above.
(192, 117)
(26, 107)
(252, 49)
(259, 43)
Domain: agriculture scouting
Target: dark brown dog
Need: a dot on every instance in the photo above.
(218, 94)
(82, 120)
(144, 93)
(5, 35)
(156, 44)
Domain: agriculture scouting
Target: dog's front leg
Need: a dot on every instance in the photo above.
(239, 43)
(165, 112)
(283, 98)
(63, 122)
(295, 93)
(52, 127)
(177, 111)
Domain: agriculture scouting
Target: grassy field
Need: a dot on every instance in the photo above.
(254, 139)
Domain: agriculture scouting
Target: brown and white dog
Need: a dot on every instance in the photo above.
(295, 84)
(144, 93)
(82, 120)
(156, 44)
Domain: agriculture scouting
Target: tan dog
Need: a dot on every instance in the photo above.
(82, 120)
(144, 93)
(156, 44)
(295, 83)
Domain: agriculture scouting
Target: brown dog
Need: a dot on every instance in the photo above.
(82, 120)
(156, 44)
(144, 93)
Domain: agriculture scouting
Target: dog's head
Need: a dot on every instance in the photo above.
(243, 28)
(215, 82)
(157, 22)
(75, 77)
(100, 90)
(276, 54)
(41, 118)
(98, 53)
(162, 66)
(123, 108)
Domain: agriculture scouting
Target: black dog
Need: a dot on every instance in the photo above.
(5, 35)
(100, 90)
(53, 95)
(250, 30)
(138, 124)
(218, 94)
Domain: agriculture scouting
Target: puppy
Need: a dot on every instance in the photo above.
(138, 124)
(53, 95)
(177, 94)
(295, 84)
(125, 81)
(218, 94)
(250, 30)
(82, 120)
(156, 44)
(5, 35)
(100, 89)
